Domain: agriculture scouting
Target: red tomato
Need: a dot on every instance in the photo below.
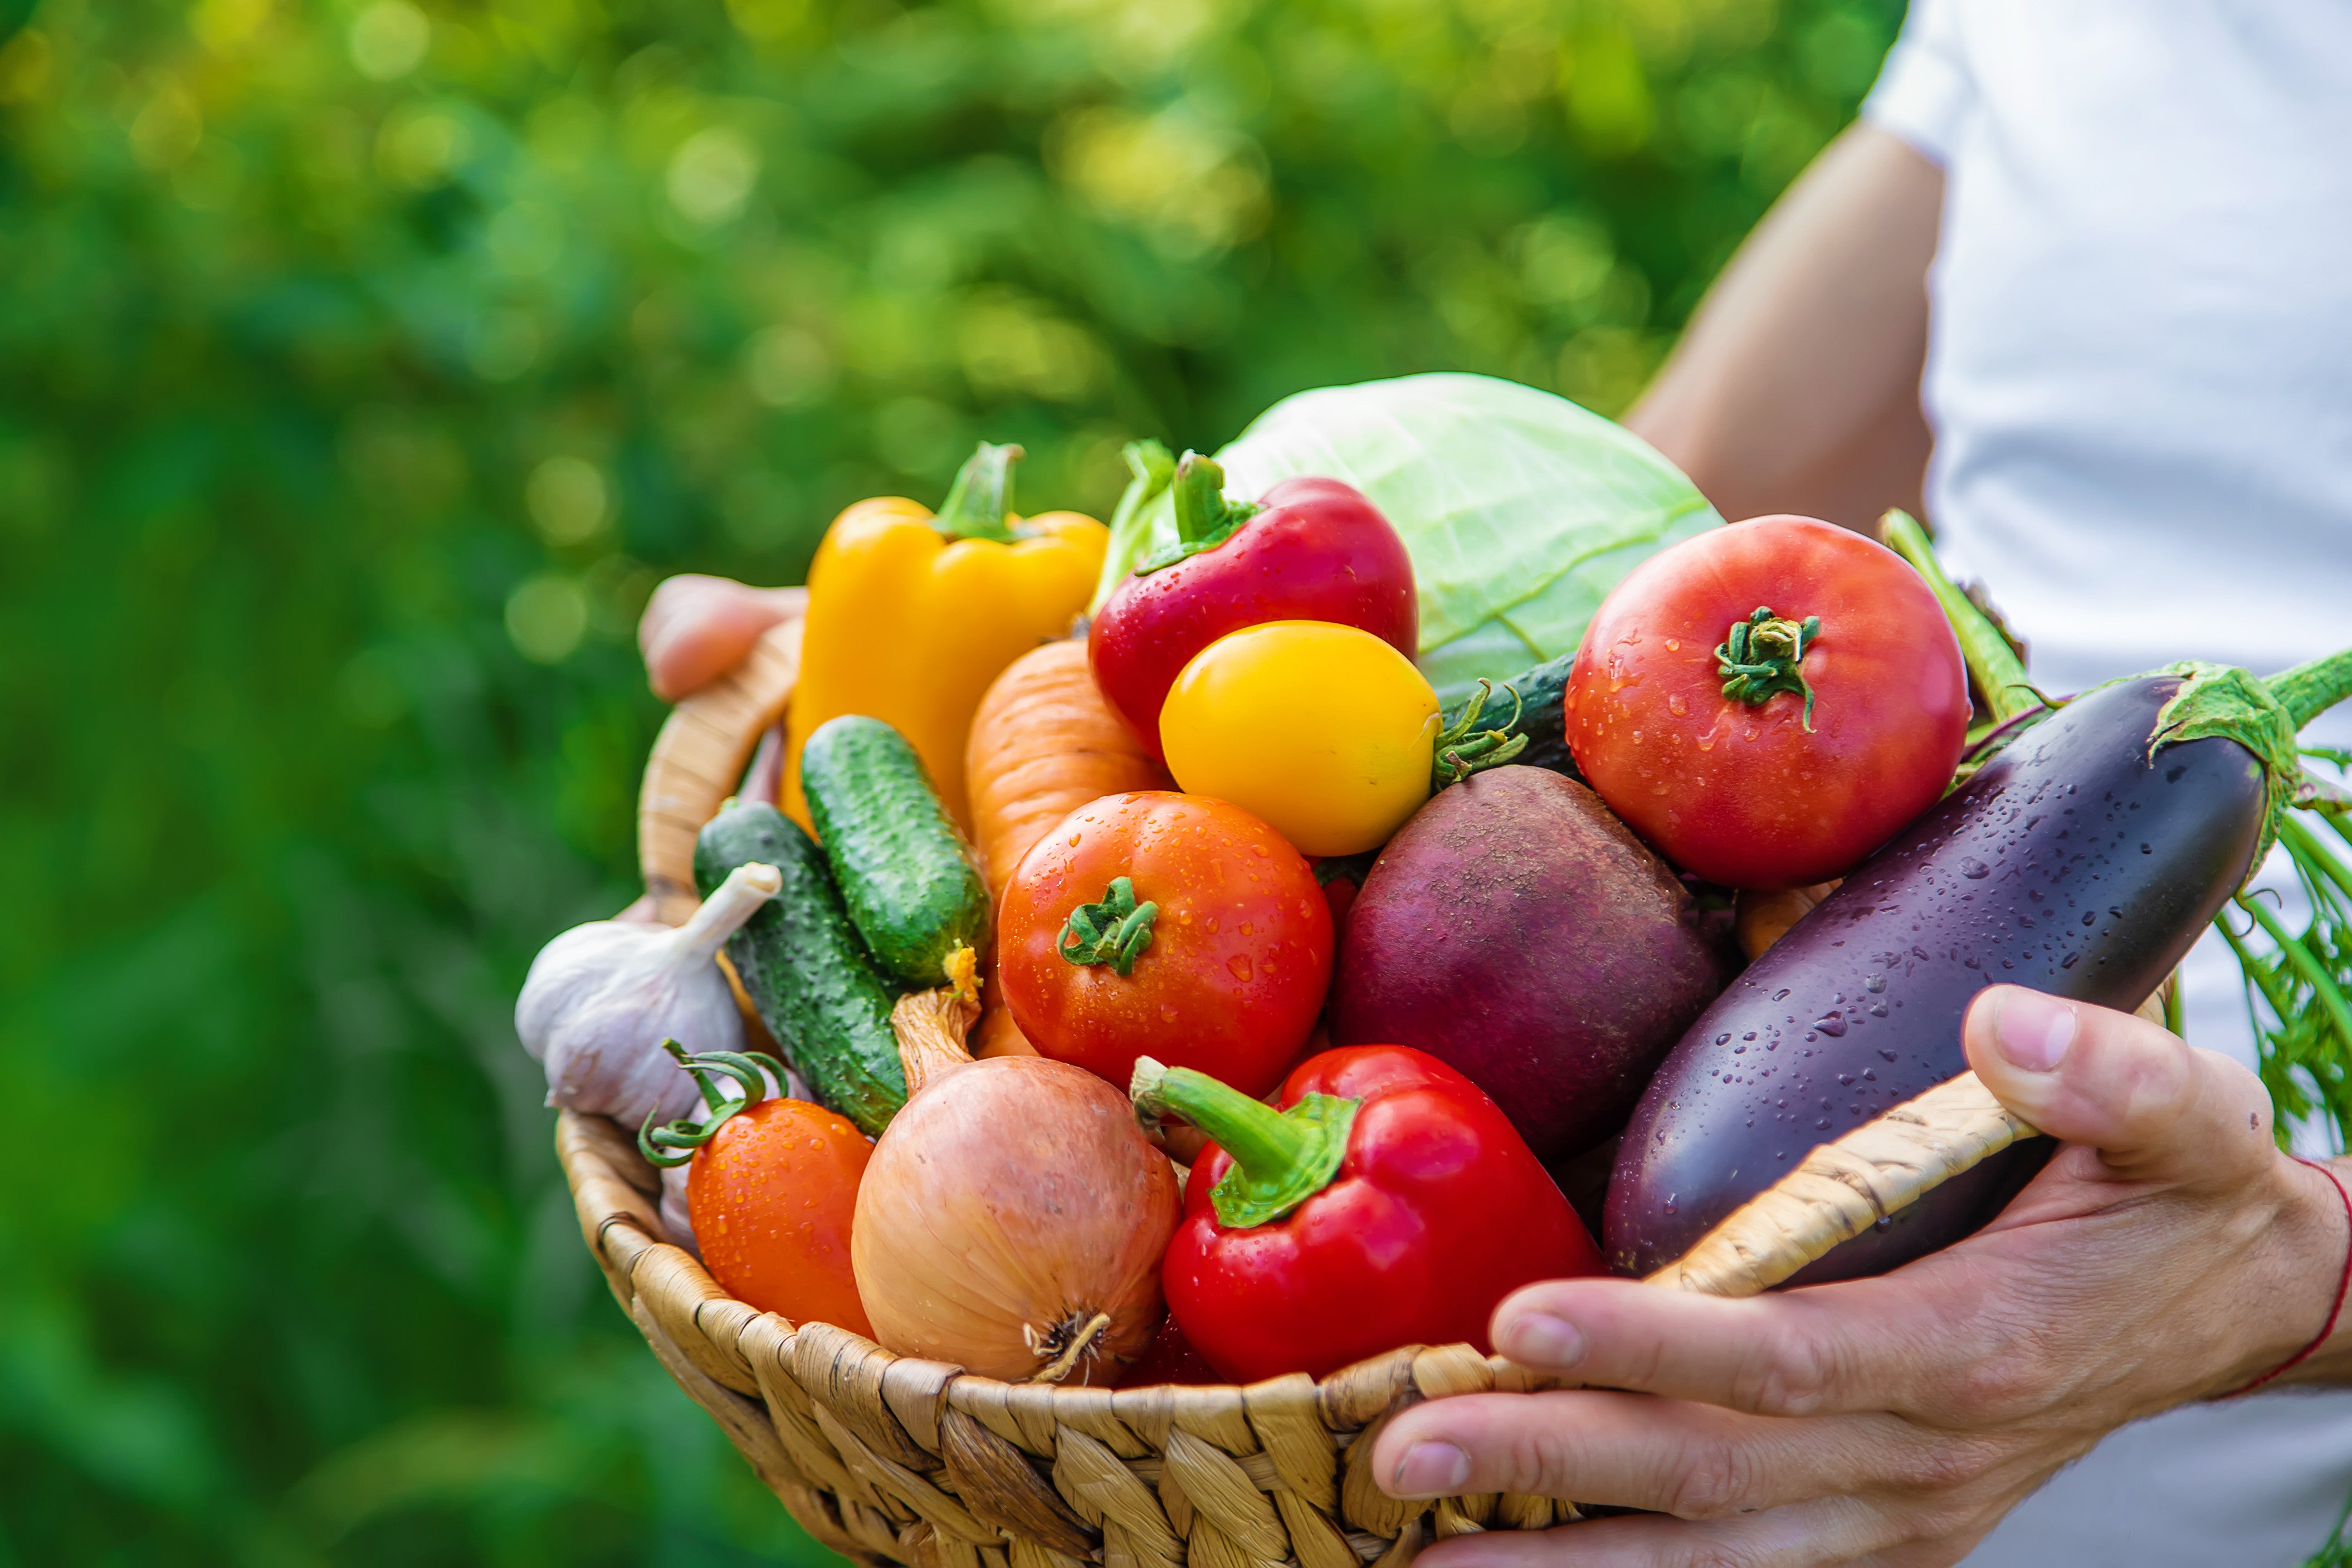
(770, 1197)
(1239, 953)
(1746, 792)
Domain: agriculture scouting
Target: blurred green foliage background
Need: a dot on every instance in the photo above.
(362, 364)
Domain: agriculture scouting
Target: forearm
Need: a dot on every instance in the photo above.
(1796, 386)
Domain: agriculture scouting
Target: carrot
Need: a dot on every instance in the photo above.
(998, 1035)
(1763, 918)
(1043, 744)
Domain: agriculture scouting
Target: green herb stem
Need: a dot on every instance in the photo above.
(2314, 972)
(2000, 674)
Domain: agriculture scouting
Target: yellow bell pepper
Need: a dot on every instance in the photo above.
(912, 615)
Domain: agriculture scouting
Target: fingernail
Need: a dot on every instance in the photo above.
(1538, 1339)
(1430, 1469)
(2033, 1031)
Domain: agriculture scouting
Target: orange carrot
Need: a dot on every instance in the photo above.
(1043, 744)
(998, 1035)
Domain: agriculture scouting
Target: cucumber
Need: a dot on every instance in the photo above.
(805, 969)
(906, 873)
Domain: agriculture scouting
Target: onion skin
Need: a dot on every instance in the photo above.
(1009, 1203)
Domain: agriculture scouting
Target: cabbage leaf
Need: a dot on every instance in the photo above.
(1520, 509)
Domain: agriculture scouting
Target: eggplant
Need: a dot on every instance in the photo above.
(2083, 861)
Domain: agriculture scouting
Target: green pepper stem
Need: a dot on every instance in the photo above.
(1999, 673)
(1205, 518)
(2309, 690)
(1201, 509)
(982, 497)
(1281, 1158)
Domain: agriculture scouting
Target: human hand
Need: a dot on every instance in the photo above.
(696, 628)
(2168, 1253)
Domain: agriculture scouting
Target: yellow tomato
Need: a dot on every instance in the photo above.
(1324, 731)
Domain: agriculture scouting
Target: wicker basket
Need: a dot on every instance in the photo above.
(887, 1457)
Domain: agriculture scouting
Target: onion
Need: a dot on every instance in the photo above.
(1014, 1216)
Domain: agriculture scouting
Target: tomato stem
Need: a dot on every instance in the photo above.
(1759, 656)
(1463, 749)
(1116, 931)
(981, 496)
(1281, 1158)
(673, 1143)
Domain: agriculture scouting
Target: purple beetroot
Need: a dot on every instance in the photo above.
(1520, 932)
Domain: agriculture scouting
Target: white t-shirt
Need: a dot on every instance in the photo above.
(2140, 379)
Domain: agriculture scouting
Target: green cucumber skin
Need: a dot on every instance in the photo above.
(805, 969)
(906, 872)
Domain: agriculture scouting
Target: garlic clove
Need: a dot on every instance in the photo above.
(601, 998)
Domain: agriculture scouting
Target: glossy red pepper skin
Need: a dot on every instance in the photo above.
(1318, 551)
(1169, 1358)
(1438, 1211)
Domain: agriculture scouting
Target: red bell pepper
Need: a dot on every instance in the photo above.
(1313, 550)
(1168, 1358)
(1388, 1202)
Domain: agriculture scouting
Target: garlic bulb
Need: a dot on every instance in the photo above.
(602, 998)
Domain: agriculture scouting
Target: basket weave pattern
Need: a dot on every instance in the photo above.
(888, 1458)
(885, 1458)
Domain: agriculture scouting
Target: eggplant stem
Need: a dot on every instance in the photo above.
(2311, 689)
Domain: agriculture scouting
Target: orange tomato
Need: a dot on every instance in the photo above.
(770, 1197)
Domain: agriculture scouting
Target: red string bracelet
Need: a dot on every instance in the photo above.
(2343, 1283)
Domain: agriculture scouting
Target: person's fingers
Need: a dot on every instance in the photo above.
(1854, 1346)
(696, 628)
(1806, 1535)
(1629, 1450)
(2155, 1108)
